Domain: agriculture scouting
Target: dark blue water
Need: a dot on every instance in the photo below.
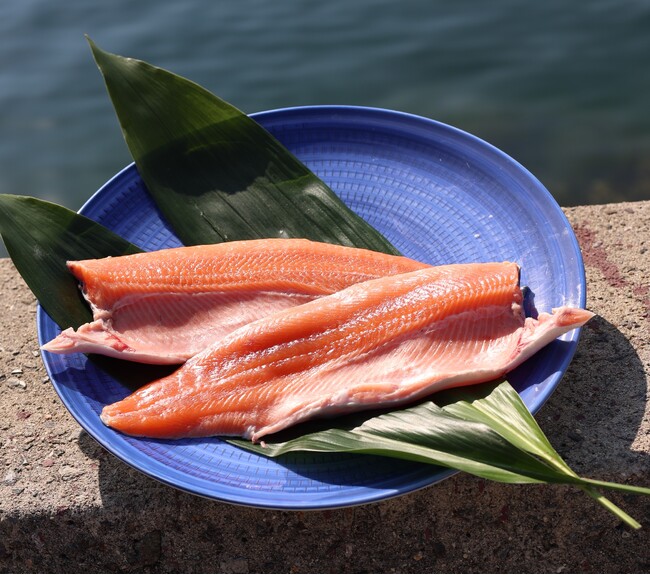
(562, 89)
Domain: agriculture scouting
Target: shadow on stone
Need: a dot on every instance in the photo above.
(594, 416)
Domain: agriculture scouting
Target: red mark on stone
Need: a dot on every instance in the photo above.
(595, 255)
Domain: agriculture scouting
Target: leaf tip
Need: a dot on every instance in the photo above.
(97, 52)
(102, 57)
(92, 44)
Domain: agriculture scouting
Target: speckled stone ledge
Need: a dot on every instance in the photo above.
(66, 505)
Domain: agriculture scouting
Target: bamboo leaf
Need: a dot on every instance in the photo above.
(215, 173)
(40, 237)
(484, 430)
(427, 434)
(503, 411)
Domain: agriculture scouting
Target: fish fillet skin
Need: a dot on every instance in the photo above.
(383, 342)
(164, 307)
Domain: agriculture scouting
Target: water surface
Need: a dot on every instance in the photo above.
(561, 89)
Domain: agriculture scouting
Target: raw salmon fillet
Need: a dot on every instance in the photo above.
(386, 341)
(165, 306)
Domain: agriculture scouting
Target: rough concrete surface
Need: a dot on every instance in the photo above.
(66, 505)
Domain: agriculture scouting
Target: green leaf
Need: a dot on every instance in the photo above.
(215, 173)
(40, 237)
(503, 411)
(424, 433)
(484, 430)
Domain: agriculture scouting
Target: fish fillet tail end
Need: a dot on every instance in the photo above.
(89, 338)
(538, 333)
(94, 338)
(62, 343)
(571, 317)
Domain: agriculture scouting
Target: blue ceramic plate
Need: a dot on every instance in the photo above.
(441, 196)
